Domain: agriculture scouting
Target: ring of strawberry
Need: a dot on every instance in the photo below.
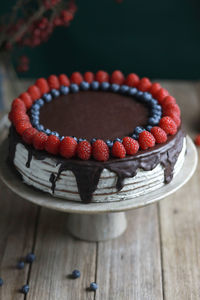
(169, 118)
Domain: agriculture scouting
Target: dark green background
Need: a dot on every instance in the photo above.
(160, 39)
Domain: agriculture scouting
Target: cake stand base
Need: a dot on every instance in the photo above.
(96, 221)
(97, 227)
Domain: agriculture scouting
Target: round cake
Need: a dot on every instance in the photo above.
(96, 137)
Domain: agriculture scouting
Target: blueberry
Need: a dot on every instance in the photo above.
(20, 265)
(93, 140)
(81, 140)
(138, 130)
(157, 107)
(105, 86)
(35, 117)
(109, 143)
(30, 258)
(47, 97)
(40, 102)
(134, 136)
(117, 140)
(124, 89)
(139, 95)
(74, 138)
(55, 93)
(114, 87)
(156, 112)
(1, 282)
(36, 107)
(76, 274)
(148, 127)
(25, 289)
(74, 88)
(95, 85)
(147, 97)
(55, 133)
(40, 127)
(132, 91)
(153, 102)
(153, 121)
(62, 137)
(35, 122)
(84, 85)
(48, 131)
(93, 286)
(64, 90)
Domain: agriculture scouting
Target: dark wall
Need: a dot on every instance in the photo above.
(160, 39)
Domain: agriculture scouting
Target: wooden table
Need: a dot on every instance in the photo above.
(157, 258)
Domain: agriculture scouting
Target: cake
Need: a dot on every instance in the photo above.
(96, 137)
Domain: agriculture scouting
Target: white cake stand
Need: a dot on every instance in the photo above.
(96, 221)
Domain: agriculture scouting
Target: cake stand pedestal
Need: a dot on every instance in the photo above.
(96, 221)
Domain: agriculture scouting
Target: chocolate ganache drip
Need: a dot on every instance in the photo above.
(87, 173)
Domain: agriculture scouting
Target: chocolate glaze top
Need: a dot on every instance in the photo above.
(90, 114)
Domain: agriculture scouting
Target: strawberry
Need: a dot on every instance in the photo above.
(146, 140)
(171, 108)
(42, 84)
(53, 82)
(100, 150)
(89, 77)
(197, 140)
(28, 135)
(144, 84)
(161, 94)
(26, 98)
(52, 144)
(130, 145)
(168, 125)
(18, 115)
(118, 150)
(18, 104)
(154, 88)
(117, 77)
(168, 100)
(102, 76)
(132, 80)
(39, 140)
(34, 92)
(22, 125)
(175, 118)
(159, 134)
(64, 80)
(76, 77)
(68, 147)
(84, 150)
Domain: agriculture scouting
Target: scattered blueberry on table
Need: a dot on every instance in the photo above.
(93, 286)
(76, 274)
(1, 281)
(25, 289)
(20, 265)
(30, 258)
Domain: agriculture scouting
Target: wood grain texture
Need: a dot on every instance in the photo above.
(129, 267)
(180, 218)
(58, 254)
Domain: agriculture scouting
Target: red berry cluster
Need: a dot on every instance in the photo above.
(23, 64)
(99, 150)
(48, 4)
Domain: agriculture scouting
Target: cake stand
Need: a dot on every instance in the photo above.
(96, 221)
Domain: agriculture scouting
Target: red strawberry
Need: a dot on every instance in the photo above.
(28, 135)
(168, 100)
(117, 77)
(144, 84)
(159, 134)
(175, 118)
(132, 80)
(168, 125)
(76, 77)
(172, 108)
(84, 150)
(53, 82)
(39, 140)
(118, 150)
(130, 145)
(197, 140)
(64, 80)
(102, 76)
(22, 125)
(18, 104)
(52, 144)
(68, 147)
(161, 94)
(34, 92)
(18, 115)
(26, 98)
(100, 150)
(154, 88)
(89, 77)
(42, 84)
(146, 140)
